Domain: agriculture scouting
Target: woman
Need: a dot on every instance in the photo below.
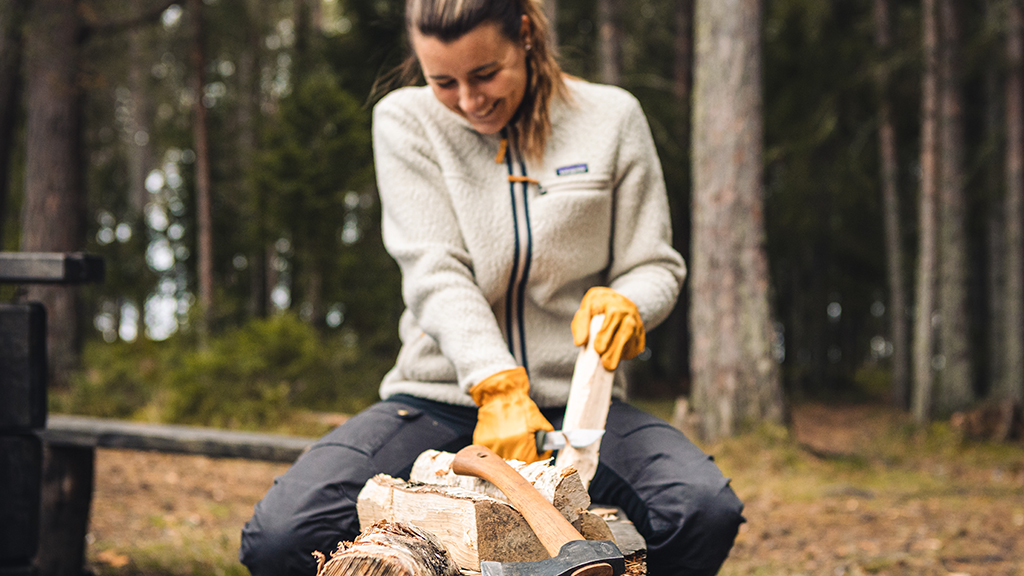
(518, 203)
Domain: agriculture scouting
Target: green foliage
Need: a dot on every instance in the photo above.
(317, 149)
(117, 381)
(873, 382)
(258, 376)
(290, 160)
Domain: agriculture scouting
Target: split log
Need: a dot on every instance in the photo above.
(590, 395)
(560, 486)
(389, 549)
(474, 520)
(472, 526)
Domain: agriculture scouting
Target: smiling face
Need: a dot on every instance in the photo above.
(480, 76)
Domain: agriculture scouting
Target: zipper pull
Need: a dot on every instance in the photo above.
(502, 149)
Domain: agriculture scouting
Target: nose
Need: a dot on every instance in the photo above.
(470, 99)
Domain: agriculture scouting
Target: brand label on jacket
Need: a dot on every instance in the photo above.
(573, 169)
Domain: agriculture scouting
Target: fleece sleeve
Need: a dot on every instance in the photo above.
(644, 268)
(421, 232)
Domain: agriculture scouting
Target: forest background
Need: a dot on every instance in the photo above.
(216, 153)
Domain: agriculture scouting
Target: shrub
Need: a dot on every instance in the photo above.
(253, 377)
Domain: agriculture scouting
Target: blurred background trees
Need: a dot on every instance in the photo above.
(892, 171)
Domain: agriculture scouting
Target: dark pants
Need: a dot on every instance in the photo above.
(674, 493)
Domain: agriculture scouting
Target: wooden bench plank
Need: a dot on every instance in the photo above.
(50, 268)
(85, 431)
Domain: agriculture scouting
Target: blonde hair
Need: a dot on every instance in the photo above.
(449, 20)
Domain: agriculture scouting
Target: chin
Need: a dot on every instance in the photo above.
(488, 128)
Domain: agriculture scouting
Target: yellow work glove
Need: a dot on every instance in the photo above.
(508, 419)
(621, 336)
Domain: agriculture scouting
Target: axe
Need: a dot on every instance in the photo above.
(571, 555)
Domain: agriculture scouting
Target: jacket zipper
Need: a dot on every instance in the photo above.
(522, 255)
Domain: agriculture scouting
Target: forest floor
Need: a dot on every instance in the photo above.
(852, 490)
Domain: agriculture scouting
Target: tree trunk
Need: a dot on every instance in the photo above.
(735, 378)
(551, 13)
(994, 252)
(682, 60)
(610, 41)
(677, 326)
(955, 389)
(248, 115)
(925, 305)
(11, 20)
(891, 209)
(313, 292)
(53, 213)
(204, 217)
(301, 49)
(1012, 385)
(138, 141)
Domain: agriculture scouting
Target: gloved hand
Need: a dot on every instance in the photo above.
(508, 418)
(621, 336)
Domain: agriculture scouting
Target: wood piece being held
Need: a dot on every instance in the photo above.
(590, 395)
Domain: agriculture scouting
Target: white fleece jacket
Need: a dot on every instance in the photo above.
(493, 270)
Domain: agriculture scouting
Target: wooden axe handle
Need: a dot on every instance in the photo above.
(551, 528)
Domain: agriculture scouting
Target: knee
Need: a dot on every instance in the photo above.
(276, 544)
(310, 508)
(719, 511)
(694, 533)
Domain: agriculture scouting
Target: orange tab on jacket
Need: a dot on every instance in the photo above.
(502, 148)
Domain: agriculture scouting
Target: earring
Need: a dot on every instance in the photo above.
(528, 46)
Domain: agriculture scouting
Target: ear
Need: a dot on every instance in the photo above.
(526, 30)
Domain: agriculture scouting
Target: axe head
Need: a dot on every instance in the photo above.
(573, 556)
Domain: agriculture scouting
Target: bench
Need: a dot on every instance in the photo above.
(90, 433)
(69, 445)
(47, 462)
(23, 376)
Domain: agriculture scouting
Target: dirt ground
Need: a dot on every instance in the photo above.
(851, 492)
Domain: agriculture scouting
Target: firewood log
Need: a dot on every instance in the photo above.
(472, 526)
(389, 549)
(560, 486)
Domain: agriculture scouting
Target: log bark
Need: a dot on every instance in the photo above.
(399, 549)
(389, 549)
